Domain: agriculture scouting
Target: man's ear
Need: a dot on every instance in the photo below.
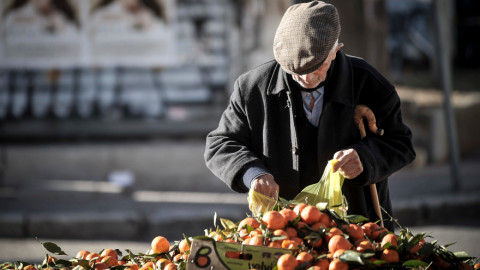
(339, 46)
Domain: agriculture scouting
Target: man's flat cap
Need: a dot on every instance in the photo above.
(305, 36)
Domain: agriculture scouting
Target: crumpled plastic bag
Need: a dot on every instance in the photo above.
(327, 193)
(260, 203)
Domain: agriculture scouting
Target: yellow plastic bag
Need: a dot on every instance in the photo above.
(327, 192)
(260, 203)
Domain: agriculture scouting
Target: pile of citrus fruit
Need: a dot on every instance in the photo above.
(317, 239)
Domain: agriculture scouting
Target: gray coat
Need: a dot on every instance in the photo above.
(259, 125)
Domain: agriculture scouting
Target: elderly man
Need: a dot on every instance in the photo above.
(288, 117)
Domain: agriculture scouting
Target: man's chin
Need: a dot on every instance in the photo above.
(309, 86)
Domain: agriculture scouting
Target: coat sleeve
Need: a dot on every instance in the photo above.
(227, 147)
(383, 155)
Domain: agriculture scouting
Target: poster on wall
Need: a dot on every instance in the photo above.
(40, 33)
(87, 33)
(131, 32)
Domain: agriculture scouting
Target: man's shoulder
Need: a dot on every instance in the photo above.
(362, 68)
(259, 72)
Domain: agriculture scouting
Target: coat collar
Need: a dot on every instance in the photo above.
(339, 88)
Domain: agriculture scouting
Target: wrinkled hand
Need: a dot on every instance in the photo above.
(349, 164)
(266, 185)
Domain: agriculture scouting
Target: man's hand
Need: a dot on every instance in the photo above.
(349, 164)
(266, 185)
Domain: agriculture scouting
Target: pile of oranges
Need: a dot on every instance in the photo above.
(319, 239)
(161, 256)
(316, 240)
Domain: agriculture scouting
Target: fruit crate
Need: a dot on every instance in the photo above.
(209, 254)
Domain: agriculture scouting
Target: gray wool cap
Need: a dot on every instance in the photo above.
(305, 36)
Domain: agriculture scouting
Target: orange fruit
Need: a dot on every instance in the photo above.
(109, 261)
(51, 259)
(325, 219)
(354, 231)
(338, 242)
(299, 207)
(121, 262)
(216, 236)
(417, 247)
(160, 244)
(170, 266)
(304, 257)
(338, 265)
(183, 246)
(274, 220)
(440, 263)
(390, 256)
(322, 264)
(291, 232)
(100, 266)
(147, 265)
(82, 254)
(109, 252)
(281, 232)
(161, 263)
(131, 266)
(363, 245)
(243, 233)
(337, 253)
(288, 214)
(275, 245)
(332, 232)
(301, 226)
(318, 225)
(310, 214)
(290, 244)
(389, 238)
(315, 242)
(287, 262)
(230, 240)
(256, 241)
(92, 256)
(372, 230)
(476, 266)
(29, 267)
(256, 232)
(250, 221)
(297, 240)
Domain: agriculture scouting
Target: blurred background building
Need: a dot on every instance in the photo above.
(79, 79)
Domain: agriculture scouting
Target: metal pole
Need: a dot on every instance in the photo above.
(443, 41)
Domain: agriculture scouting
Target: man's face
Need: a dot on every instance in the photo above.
(313, 79)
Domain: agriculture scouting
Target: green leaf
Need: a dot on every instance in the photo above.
(426, 250)
(277, 237)
(118, 267)
(228, 224)
(62, 263)
(356, 218)
(53, 248)
(414, 263)
(352, 256)
(215, 220)
(461, 254)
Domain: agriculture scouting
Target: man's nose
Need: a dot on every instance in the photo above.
(306, 77)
